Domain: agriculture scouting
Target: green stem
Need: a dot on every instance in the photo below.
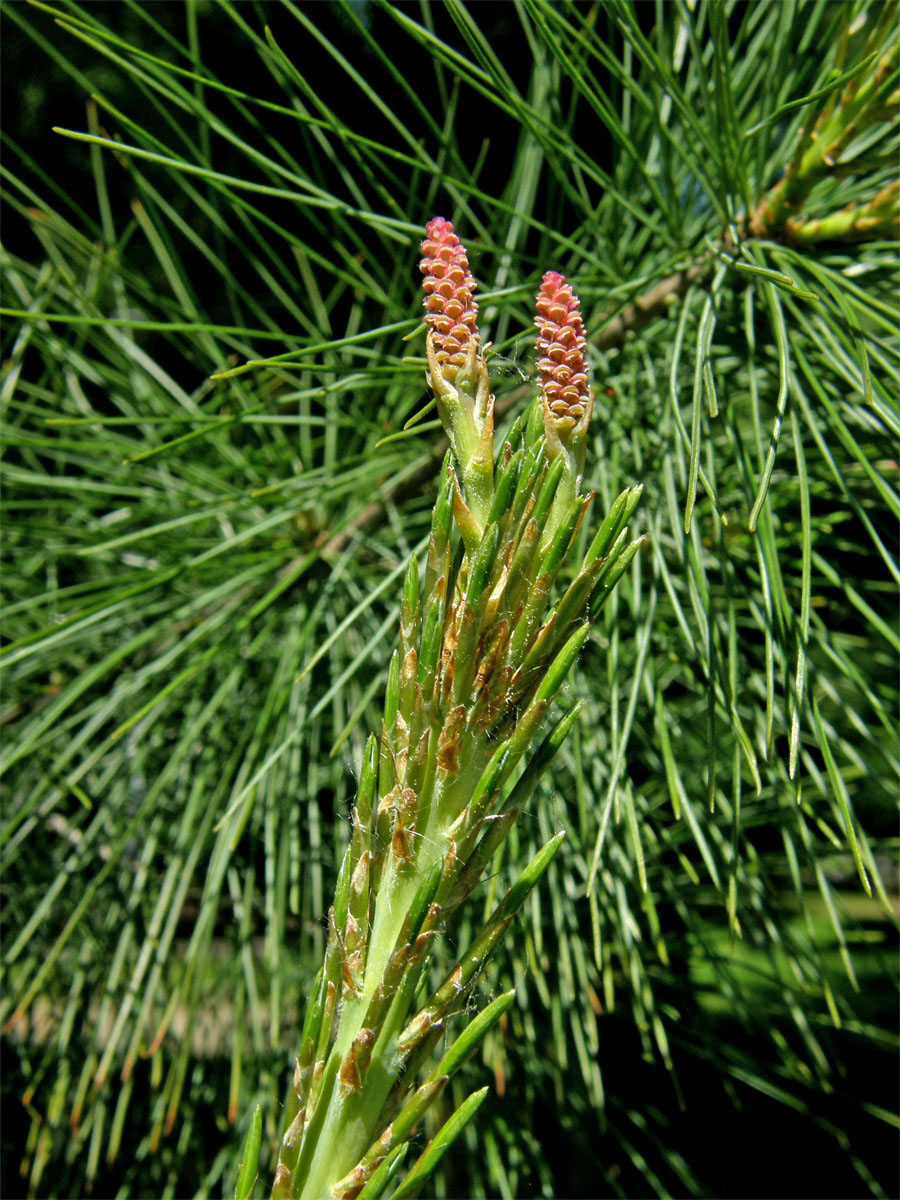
(344, 1125)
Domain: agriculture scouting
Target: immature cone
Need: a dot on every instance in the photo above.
(565, 390)
(458, 374)
(451, 312)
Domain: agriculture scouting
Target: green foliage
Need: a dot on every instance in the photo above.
(202, 576)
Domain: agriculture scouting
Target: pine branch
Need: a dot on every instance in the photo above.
(482, 655)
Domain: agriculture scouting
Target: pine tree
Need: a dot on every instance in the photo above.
(238, 541)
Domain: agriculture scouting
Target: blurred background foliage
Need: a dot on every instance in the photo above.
(201, 575)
